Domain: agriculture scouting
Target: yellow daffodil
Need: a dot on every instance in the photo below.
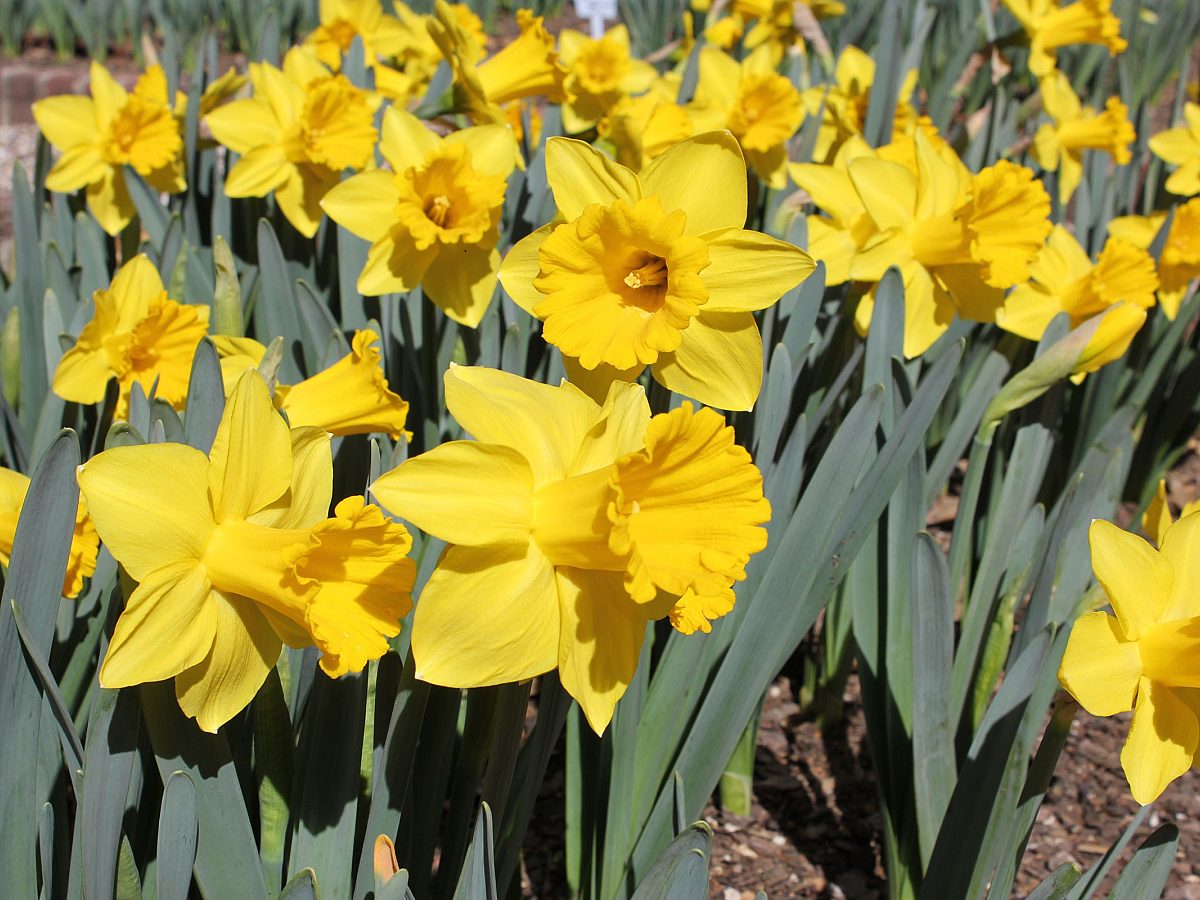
(1059, 146)
(843, 104)
(383, 36)
(81, 561)
(98, 136)
(654, 269)
(234, 556)
(1144, 657)
(137, 333)
(836, 237)
(725, 31)
(775, 22)
(1051, 24)
(295, 138)
(587, 521)
(527, 67)
(959, 240)
(1064, 279)
(433, 219)
(1181, 147)
(1179, 262)
(1157, 518)
(601, 72)
(757, 104)
(641, 129)
(350, 397)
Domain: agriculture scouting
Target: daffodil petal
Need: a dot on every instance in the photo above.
(461, 280)
(487, 615)
(748, 270)
(405, 141)
(225, 681)
(109, 201)
(600, 640)
(1100, 667)
(1138, 579)
(888, 191)
(719, 362)
(151, 504)
(107, 93)
(1157, 517)
(705, 176)
(66, 121)
(928, 312)
(1180, 546)
(546, 425)
(1027, 310)
(1162, 741)
(364, 204)
(428, 491)
(494, 150)
(244, 125)
(167, 626)
(299, 197)
(394, 264)
(259, 172)
(251, 457)
(581, 175)
(307, 501)
(521, 266)
(598, 382)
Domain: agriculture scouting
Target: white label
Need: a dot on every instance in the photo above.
(596, 11)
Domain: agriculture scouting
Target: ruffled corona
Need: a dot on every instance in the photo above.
(688, 509)
(1051, 25)
(446, 201)
(621, 283)
(1006, 218)
(602, 72)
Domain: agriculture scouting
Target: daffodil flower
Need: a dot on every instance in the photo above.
(1060, 146)
(1145, 656)
(433, 220)
(99, 135)
(137, 333)
(383, 36)
(654, 270)
(1179, 262)
(842, 105)
(1157, 518)
(527, 67)
(234, 556)
(1181, 147)
(1051, 24)
(760, 107)
(295, 136)
(601, 72)
(958, 239)
(1064, 279)
(586, 522)
(641, 129)
(350, 397)
(81, 560)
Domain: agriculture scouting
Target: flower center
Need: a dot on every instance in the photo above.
(336, 127)
(621, 282)
(437, 209)
(767, 112)
(341, 33)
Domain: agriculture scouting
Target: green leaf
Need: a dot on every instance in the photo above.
(177, 830)
(1145, 876)
(1057, 884)
(206, 398)
(128, 882)
(35, 575)
(477, 881)
(681, 871)
(111, 753)
(30, 292)
(1091, 880)
(302, 886)
(228, 317)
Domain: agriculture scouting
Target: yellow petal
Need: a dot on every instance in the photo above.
(109, 201)
(428, 490)
(259, 172)
(299, 197)
(108, 94)
(1179, 544)
(521, 266)
(461, 280)
(1157, 517)
(167, 626)
(928, 312)
(1175, 145)
(225, 681)
(405, 141)
(306, 502)
(487, 615)
(748, 270)
(544, 424)
(597, 382)
(685, 177)
(888, 191)
(251, 456)
(244, 125)
(77, 167)
(494, 150)
(364, 204)
(1137, 578)
(66, 121)
(1100, 667)
(580, 175)
(1027, 310)
(719, 362)
(150, 504)
(1162, 741)
(394, 264)
(600, 641)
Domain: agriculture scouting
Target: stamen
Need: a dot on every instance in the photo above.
(437, 210)
(651, 274)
